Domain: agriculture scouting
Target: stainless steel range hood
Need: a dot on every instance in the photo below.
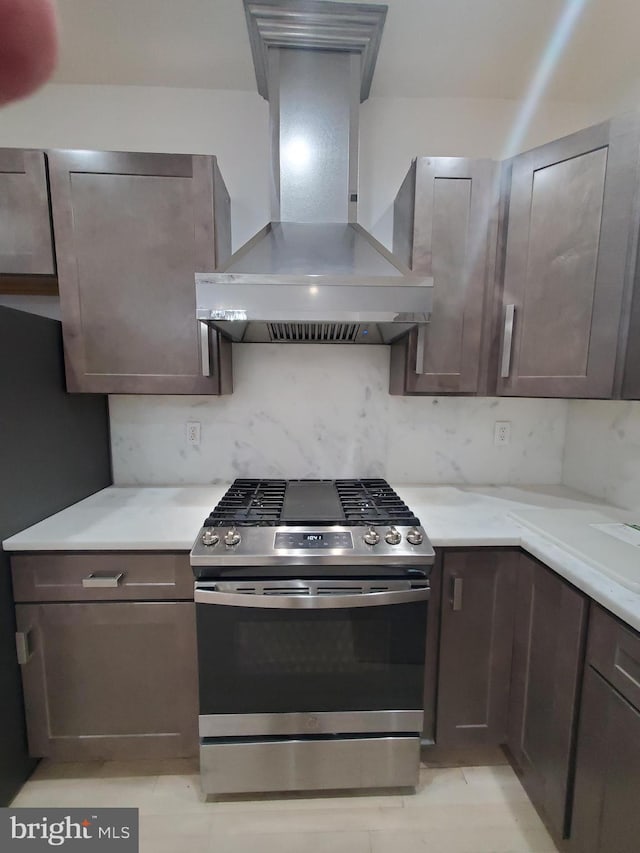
(313, 274)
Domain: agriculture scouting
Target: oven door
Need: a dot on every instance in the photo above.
(295, 657)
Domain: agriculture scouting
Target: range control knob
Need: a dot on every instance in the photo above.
(414, 537)
(210, 538)
(371, 537)
(231, 537)
(393, 537)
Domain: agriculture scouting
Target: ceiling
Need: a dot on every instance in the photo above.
(430, 48)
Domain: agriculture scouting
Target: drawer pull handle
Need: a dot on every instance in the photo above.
(97, 581)
(23, 647)
(628, 667)
(456, 603)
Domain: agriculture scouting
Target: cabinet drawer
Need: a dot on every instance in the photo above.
(101, 577)
(614, 651)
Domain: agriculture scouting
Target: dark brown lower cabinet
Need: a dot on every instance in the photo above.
(548, 653)
(110, 680)
(511, 661)
(606, 811)
(606, 817)
(475, 647)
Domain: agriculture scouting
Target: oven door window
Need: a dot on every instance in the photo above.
(263, 660)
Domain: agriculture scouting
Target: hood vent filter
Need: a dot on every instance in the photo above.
(316, 332)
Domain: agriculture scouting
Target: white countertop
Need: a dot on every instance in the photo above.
(124, 519)
(168, 519)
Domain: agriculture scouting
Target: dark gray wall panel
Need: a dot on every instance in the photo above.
(54, 451)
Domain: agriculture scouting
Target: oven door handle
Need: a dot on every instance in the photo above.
(311, 602)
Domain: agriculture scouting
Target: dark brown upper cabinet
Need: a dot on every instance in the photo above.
(569, 248)
(548, 659)
(131, 231)
(476, 639)
(445, 217)
(26, 246)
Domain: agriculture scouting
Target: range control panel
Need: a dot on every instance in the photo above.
(313, 541)
(309, 545)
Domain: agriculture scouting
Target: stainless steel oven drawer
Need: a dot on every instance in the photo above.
(309, 765)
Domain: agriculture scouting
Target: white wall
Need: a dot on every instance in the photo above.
(235, 126)
(626, 100)
(44, 306)
(602, 451)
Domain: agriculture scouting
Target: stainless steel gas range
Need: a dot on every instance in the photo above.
(311, 600)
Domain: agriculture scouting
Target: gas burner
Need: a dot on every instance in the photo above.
(373, 501)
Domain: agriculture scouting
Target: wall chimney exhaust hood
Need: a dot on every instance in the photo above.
(313, 274)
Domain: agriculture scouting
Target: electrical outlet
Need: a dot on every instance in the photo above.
(193, 433)
(501, 433)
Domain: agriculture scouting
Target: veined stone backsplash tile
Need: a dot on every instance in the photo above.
(602, 450)
(450, 440)
(325, 411)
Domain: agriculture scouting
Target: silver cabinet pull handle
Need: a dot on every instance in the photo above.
(456, 603)
(507, 340)
(205, 349)
(421, 349)
(627, 666)
(23, 647)
(95, 580)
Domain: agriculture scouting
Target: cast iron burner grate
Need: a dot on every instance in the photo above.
(250, 503)
(373, 502)
(261, 502)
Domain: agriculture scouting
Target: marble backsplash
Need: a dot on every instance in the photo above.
(324, 411)
(602, 450)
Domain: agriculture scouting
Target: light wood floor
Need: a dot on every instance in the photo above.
(455, 810)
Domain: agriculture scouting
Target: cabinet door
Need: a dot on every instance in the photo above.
(110, 681)
(26, 246)
(548, 654)
(442, 225)
(569, 231)
(131, 232)
(606, 813)
(476, 638)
